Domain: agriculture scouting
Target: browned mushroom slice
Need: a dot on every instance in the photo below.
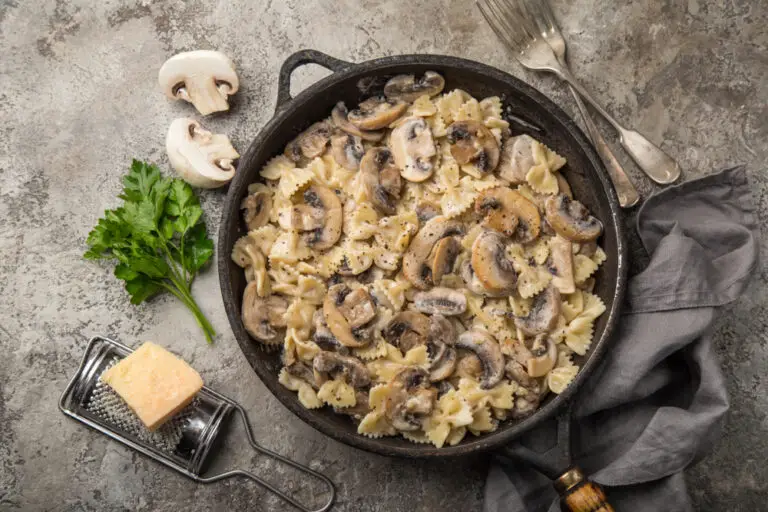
(516, 159)
(323, 198)
(472, 143)
(357, 411)
(263, 316)
(543, 314)
(489, 353)
(257, 208)
(407, 88)
(301, 217)
(339, 115)
(508, 211)
(490, 263)
(413, 148)
(337, 322)
(310, 143)
(561, 264)
(571, 219)
(474, 284)
(347, 150)
(381, 179)
(324, 337)
(416, 268)
(563, 186)
(443, 257)
(544, 352)
(334, 365)
(358, 308)
(441, 338)
(411, 399)
(406, 330)
(303, 372)
(440, 301)
(426, 210)
(376, 113)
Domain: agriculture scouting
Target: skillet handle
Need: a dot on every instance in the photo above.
(297, 60)
(579, 494)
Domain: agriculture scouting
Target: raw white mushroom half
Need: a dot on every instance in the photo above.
(204, 78)
(203, 159)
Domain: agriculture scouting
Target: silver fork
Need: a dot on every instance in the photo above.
(547, 26)
(513, 25)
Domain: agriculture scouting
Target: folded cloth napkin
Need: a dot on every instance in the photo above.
(657, 401)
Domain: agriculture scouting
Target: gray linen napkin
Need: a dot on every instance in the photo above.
(657, 401)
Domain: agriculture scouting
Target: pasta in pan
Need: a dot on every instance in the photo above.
(425, 271)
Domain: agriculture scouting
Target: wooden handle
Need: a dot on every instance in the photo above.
(578, 494)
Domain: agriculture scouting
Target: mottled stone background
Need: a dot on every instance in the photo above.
(79, 99)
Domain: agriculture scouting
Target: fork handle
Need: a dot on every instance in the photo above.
(654, 162)
(625, 189)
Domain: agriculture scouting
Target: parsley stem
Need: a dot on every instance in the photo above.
(184, 296)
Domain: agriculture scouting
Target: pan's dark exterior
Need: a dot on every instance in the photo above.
(584, 171)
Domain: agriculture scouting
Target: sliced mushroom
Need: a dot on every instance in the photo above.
(339, 115)
(468, 365)
(358, 308)
(407, 88)
(440, 301)
(204, 78)
(543, 314)
(334, 365)
(359, 410)
(257, 208)
(426, 210)
(509, 212)
(376, 113)
(263, 316)
(442, 337)
(406, 330)
(544, 353)
(443, 257)
(381, 179)
(472, 143)
(416, 268)
(563, 186)
(534, 389)
(561, 264)
(203, 159)
(489, 353)
(516, 159)
(474, 284)
(571, 219)
(311, 142)
(347, 150)
(410, 400)
(325, 199)
(490, 263)
(338, 324)
(324, 337)
(413, 148)
(301, 217)
(304, 372)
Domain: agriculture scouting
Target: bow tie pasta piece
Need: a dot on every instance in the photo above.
(307, 396)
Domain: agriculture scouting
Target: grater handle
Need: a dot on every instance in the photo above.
(264, 483)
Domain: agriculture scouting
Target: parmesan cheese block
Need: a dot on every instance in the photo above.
(154, 383)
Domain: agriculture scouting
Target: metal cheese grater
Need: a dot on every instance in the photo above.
(184, 443)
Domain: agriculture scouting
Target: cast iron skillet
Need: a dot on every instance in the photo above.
(548, 123)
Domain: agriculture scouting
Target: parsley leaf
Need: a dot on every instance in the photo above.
(158, 238)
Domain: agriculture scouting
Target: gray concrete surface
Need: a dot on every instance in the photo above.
(78, 100)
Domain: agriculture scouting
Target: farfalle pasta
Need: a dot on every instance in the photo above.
(426, 272)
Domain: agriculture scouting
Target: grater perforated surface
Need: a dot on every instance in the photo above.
(110, 408)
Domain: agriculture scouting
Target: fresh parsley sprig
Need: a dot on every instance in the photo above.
(158, 238)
